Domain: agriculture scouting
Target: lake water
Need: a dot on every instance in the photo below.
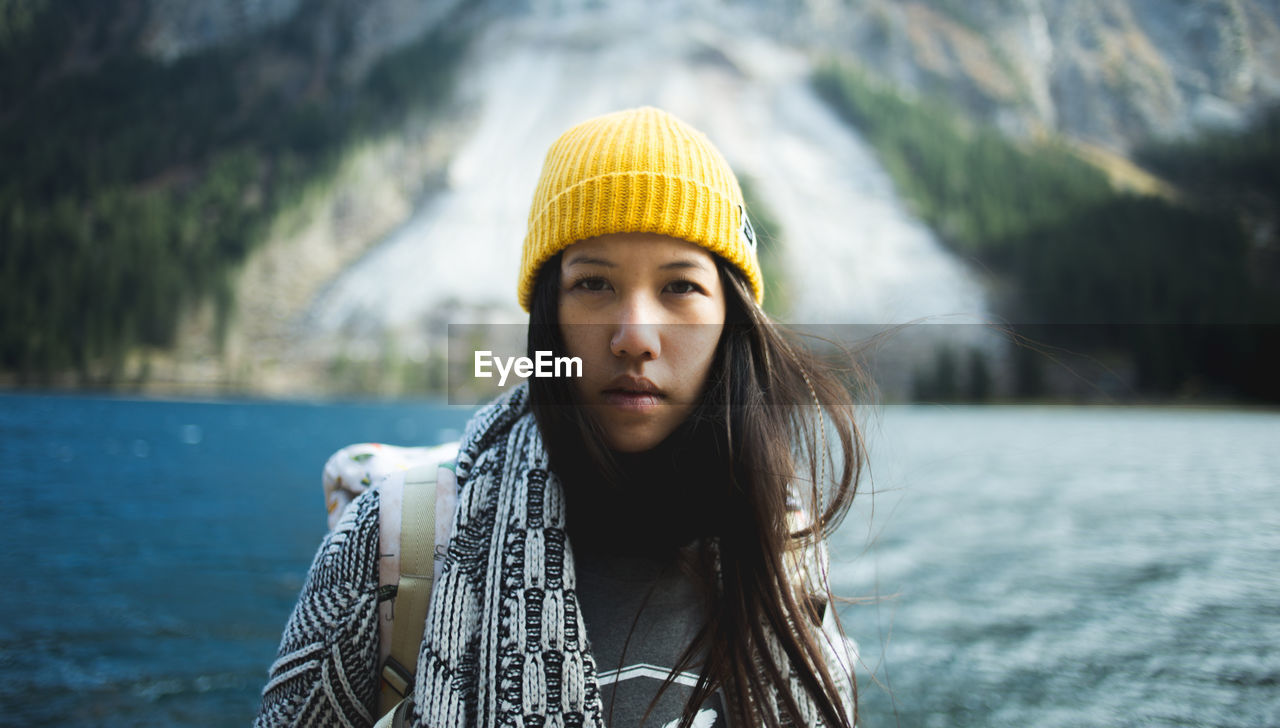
(1023, 566)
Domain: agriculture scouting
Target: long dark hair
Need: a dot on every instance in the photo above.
(777, 411)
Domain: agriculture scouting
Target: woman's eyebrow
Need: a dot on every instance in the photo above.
(588, 260)
(682, 264)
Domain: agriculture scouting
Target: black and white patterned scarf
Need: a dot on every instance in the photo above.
(504, 642)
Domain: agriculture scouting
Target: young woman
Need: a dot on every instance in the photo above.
(629, 546)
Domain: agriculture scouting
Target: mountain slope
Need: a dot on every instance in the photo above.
(200, 172)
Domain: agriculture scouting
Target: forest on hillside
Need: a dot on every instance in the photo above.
(1184, 288)
(131, 188)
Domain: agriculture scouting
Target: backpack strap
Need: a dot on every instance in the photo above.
(413, 591)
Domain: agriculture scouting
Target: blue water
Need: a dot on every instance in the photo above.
(1027, 566)
(1068, 567)
(151, 551)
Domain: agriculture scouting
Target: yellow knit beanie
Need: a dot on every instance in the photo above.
(641, 170)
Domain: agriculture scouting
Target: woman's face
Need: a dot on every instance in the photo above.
(644, 312)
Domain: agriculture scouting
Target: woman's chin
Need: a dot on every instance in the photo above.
(636, 437)
(631, 431)
(632, 442)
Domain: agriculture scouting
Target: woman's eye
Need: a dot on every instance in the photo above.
(592, 283)
(683, 287)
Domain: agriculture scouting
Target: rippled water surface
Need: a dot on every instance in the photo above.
(1068, 567)
(1034, 566)
(152, 551)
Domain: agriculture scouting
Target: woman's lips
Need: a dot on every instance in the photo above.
(631, 400)
(631, 393)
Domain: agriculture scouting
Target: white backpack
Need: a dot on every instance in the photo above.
(417, 499)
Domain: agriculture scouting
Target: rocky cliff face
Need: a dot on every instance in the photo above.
(354, 34)
(1115, 72)
(176, 28)
(1110, 71)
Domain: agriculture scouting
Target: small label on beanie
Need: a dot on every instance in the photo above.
(748, 233)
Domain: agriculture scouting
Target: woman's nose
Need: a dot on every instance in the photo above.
(635, 333)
